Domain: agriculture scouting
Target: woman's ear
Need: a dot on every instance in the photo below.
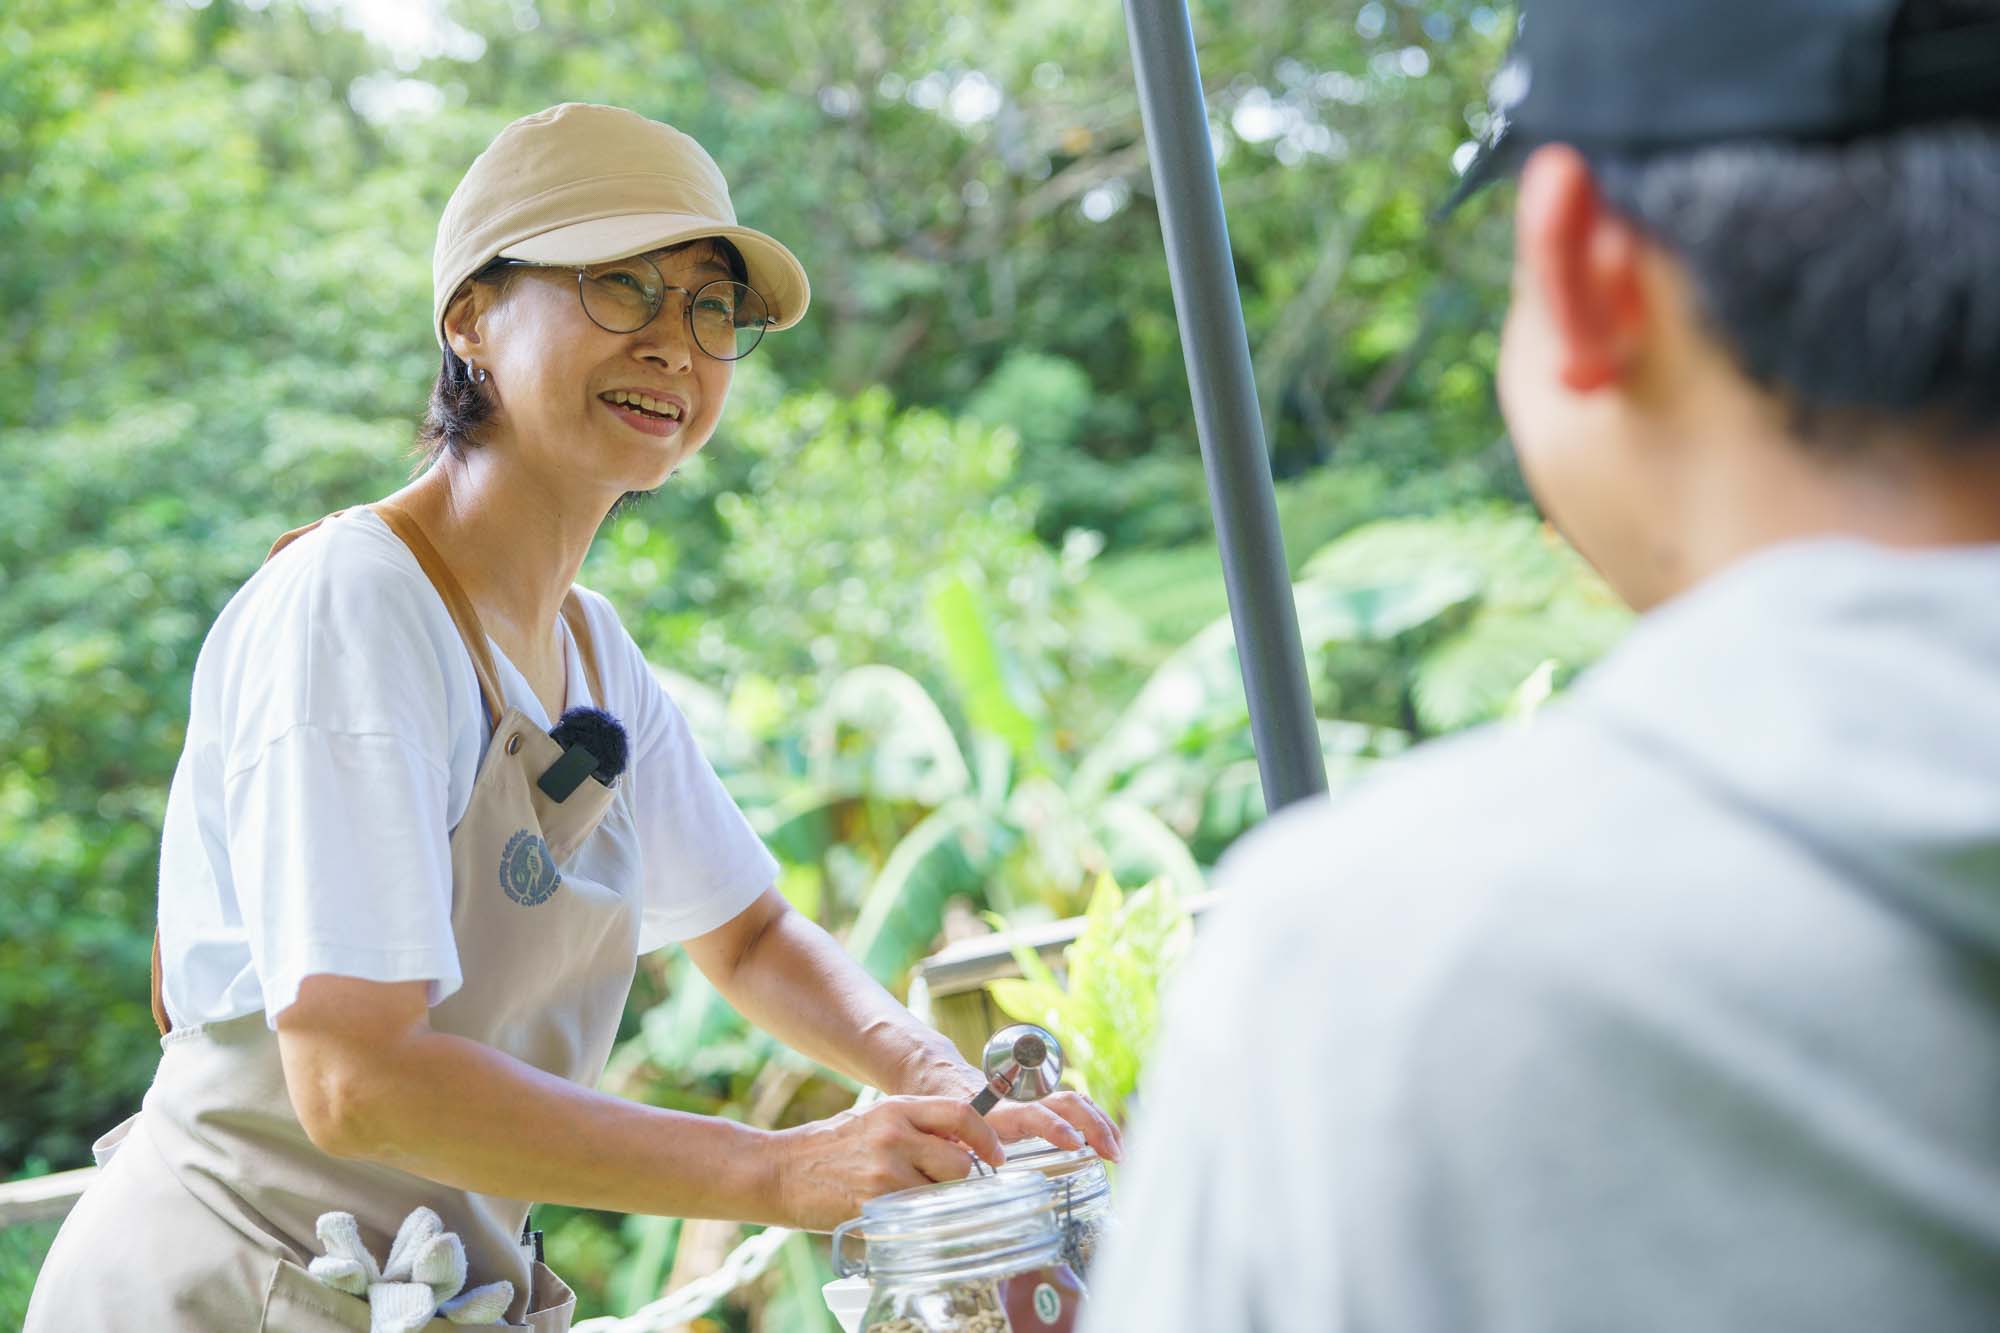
(463, 316)
(1586, 265)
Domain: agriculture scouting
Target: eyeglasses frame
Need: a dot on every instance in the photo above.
(687, 308)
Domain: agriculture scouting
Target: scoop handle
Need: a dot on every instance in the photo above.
(996, 1087)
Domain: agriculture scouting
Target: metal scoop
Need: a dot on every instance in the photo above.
(1022, 1063)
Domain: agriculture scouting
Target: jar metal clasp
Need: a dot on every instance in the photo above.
(842, 1265)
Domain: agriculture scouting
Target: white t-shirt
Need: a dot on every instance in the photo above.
(333, 736)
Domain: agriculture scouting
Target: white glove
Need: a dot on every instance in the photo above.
(441, 1266)
(481, 1305)
(423, 1279)
(400, 1307)
(341, 1274)
(346, 1266)
(418, 1230)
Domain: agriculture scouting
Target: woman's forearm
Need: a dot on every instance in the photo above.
(798, 984)
(459, 1112)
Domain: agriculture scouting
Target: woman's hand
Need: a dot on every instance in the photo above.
(826, 1170)
(1066, 1119)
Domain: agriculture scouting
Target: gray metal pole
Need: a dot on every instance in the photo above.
(1217, 351)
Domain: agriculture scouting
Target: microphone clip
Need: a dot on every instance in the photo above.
(593, 744)
(566, 774)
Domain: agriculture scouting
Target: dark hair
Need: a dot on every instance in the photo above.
(459, 407)
(1859, 281)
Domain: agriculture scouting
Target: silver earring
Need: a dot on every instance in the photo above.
(478, 376)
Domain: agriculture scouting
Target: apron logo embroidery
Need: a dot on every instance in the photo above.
(527, 871)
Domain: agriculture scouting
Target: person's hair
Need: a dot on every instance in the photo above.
(460, 408)
(1858, 281)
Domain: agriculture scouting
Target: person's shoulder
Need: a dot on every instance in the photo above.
(1452, 845)
(341, 630)
(1497, 799)
(350, 565)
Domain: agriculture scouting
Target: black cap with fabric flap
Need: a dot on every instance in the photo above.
(1636, 77)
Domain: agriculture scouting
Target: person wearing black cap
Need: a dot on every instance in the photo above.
(1679, 1009)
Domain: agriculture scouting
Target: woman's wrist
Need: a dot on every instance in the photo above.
(936, 1069)
(771, 1155)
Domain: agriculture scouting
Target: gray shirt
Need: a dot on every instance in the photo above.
(1677, 1010)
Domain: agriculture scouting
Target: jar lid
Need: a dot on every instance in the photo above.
(1079, 1172)
(1045, 1157)
(977, 1199)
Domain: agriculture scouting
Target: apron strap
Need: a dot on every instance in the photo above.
(297, 533)
(579, 630)
(405, 526)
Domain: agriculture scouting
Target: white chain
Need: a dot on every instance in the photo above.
(745, 1264)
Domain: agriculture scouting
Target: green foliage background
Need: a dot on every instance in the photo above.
(940, 597)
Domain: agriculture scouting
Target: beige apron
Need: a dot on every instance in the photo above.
(203, 1216)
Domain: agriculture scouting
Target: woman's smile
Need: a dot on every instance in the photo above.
(639, 421)
(653, 414)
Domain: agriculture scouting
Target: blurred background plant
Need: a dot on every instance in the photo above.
(941, 598)
(1104, 1008)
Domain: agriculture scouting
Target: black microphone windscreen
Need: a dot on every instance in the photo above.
(598, 732)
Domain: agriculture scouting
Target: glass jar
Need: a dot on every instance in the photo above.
(979, 1255)
(1083, 1194)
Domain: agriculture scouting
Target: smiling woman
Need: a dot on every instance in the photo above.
(391, 961)
(725, 315)
(607, 279)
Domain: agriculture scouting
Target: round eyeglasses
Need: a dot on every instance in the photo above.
(726, 319)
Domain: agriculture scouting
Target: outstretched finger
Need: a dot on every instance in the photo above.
(1098, 1127)
(1081, 1118)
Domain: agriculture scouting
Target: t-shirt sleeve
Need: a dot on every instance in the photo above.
(703, 861)
(337, 707)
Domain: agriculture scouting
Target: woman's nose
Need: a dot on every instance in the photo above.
(667, 339)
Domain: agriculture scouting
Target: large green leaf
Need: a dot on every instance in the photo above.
(1536, 602)
(942, 857)
(879, 733)
(1142, 848)
(995, 701)
(1199, 689)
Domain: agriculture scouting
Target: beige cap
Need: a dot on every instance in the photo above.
(582, 184)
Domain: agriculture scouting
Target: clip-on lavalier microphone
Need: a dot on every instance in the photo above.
(593, 744)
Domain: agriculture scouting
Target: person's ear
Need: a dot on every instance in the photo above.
(462, 320)
(1586, 266)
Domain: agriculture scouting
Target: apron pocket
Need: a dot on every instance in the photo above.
(551, 1304)
(298, 1302)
